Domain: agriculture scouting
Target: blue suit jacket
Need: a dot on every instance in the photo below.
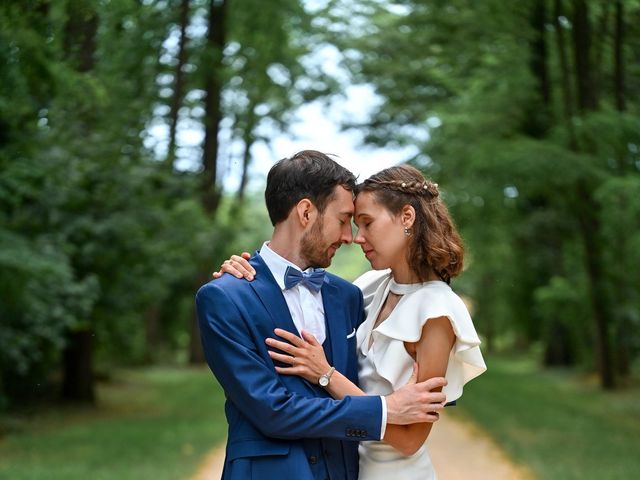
(282, 426)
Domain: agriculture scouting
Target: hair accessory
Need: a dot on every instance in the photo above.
(404, 185)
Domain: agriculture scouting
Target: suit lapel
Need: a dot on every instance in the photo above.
(271, 296)
(274, 303)
(335, 325)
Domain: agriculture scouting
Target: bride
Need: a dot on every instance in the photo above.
(413, 315)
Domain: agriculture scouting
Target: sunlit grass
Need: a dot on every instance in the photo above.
(149, 424)
(558, 423)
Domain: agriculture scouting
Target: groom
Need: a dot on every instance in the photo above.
(283, 427)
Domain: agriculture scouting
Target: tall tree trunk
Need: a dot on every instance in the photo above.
(248, 139)
(623, 355)
(77, 362)
(78, 383)
(216, 38)
(567, 91)
(588, 210)
(598, 48)
(80, 35)
(618, 55)
(538, 117)
(178, 85)
(587, 100)
(152, 332)
(589, 220)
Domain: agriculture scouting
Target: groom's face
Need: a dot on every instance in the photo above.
(330, 230)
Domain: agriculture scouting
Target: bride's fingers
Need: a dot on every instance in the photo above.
(243, 266)
(228, 266)
(284, 346)
(289, 337)
(287, 359)
(309, 338)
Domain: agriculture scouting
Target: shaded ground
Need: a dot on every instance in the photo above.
(459, 450)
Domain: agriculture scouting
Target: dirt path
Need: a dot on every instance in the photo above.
(211, 467)
(458, 449)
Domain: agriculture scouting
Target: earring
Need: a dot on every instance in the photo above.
(407, 231)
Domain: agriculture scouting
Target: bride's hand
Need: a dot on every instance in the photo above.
(304, 355)
(238, 266)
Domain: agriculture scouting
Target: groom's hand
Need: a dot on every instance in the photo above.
(416, 402)
(238, 266)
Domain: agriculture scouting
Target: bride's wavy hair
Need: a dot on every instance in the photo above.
(436, 245)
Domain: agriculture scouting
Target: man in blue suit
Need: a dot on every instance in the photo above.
(283, 427)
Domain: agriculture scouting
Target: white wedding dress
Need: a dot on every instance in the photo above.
(386, 365)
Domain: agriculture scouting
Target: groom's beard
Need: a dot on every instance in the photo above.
(312, 246)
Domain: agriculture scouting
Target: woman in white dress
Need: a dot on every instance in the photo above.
(413, 316)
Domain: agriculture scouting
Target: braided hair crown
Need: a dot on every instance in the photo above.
(415, 187)
(412, 182)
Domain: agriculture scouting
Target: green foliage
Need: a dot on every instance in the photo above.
(530, 170)
(92, 232)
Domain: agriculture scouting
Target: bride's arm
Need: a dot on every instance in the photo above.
(305, 357)
(432, 355)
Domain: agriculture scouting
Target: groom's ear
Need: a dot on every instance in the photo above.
(306, 212)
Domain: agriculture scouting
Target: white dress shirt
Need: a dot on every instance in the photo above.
(305, 306)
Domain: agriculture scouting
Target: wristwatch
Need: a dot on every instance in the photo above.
(323, 381)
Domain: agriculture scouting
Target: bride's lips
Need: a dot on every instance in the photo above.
(367, 253)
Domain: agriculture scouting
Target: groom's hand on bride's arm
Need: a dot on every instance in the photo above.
(238, 266)
(416, 402)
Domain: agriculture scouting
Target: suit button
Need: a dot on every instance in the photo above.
(313, 459)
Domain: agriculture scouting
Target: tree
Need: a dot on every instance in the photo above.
(521, 136)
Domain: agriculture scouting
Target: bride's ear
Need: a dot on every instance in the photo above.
(407, 216)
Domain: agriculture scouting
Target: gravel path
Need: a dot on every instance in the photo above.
(459, 450)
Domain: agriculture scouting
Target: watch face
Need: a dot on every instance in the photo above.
(324, 381)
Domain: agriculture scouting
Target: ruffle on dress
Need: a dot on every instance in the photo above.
(431, 300)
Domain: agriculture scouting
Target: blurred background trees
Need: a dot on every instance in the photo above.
(526, 113)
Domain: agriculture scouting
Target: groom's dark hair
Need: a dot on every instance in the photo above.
(307, 174)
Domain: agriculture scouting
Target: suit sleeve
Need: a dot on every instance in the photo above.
(251, 383)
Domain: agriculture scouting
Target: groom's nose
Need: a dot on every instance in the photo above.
(346, 234)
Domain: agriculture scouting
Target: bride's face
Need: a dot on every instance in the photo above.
(380, 233)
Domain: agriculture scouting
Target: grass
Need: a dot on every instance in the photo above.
(557, 423)
(154, 423)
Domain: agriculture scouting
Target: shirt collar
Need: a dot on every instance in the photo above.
(277, 264)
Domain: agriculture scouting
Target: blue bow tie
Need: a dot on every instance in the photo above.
(312, 279)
